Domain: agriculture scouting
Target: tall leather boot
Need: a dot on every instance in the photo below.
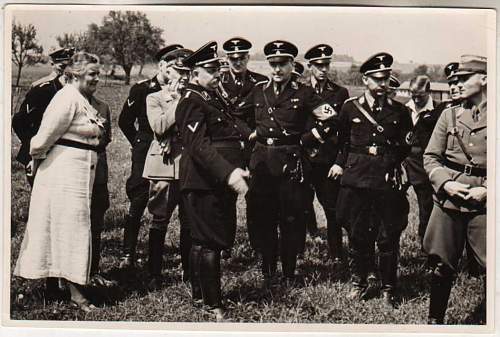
(269, 265)
(194, 274)
(358, 275)
(441, 283)
(388, 265)
(130, 234)
(155, 260)
(334, 236)
(210, 281)
(96, 252)
(185, 248)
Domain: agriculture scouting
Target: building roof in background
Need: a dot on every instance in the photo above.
(435, 86)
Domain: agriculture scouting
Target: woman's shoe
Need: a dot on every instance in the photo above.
(219, 313)
(84, 305)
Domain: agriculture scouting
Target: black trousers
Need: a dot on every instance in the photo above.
(98, 207)
(327, 191)
(137, 189)
(212, 215)
(369, 207)
(425, 203)
(280, 202)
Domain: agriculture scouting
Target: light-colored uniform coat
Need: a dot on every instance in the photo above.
(162, 161)
(57, 240)
(455, 221)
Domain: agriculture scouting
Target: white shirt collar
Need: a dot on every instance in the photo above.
(429, 105)
(369, 99)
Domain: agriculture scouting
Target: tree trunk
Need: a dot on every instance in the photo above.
(127, 68)
(19, 69)
(141, 68)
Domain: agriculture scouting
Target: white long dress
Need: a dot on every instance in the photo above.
(57, 240)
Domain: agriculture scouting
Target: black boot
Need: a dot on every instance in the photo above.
(96, 252)
(358, 275)
(388, 264)
(441, 284)
(185, 248)
(130, 234)
(210, 277)
(52, 291)
(334, 231)
(155, 260)
(194, 274)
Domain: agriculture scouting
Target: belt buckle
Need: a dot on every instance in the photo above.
(372, 150)
(468, 169)
(270, 141)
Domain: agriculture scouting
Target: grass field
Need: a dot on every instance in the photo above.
(322, 298)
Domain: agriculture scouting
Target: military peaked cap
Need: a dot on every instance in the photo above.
(377, 65)
(206, 57)
(62, 55)
(321, 53)
(280, 48)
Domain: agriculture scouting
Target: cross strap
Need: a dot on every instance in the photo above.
(365, 113)
(459, 139)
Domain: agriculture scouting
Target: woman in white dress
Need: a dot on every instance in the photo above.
(57, 239)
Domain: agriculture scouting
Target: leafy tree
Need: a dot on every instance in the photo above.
(421, 70)
(25, 48)
(129, 38)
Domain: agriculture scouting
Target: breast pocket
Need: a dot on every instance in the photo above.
(391, 127)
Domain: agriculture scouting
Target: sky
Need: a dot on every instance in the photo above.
(431, 36)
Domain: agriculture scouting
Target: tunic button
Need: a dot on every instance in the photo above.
(470, 144)
(271, 129)
(272, 118)
(91, 167)
(472, 133)
(374, 134)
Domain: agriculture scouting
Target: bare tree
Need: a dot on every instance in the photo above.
(25, 48)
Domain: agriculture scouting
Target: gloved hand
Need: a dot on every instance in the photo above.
(237, 181)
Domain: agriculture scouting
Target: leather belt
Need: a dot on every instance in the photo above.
(75, 144)
(233, 144)
(373, 150)
(468, 169)
(289, 140)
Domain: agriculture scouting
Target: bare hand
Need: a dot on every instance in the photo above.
(454, 188)
(477, 194)
(237, 180)
(29, 168)
(335, 172)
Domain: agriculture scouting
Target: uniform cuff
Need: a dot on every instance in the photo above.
(317, 135)
(438, 177)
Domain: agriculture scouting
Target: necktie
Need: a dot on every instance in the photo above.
(376, 107)
(277, 89)
(318, 88)
(238, 80)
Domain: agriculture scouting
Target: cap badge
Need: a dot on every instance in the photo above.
(278, 44)
(381, 57)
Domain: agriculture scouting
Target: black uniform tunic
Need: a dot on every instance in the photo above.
(213, 147)
(134, 113)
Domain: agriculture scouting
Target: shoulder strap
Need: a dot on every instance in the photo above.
(459, 139)
(365, 113)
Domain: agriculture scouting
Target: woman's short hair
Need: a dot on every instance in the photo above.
(78, 64)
